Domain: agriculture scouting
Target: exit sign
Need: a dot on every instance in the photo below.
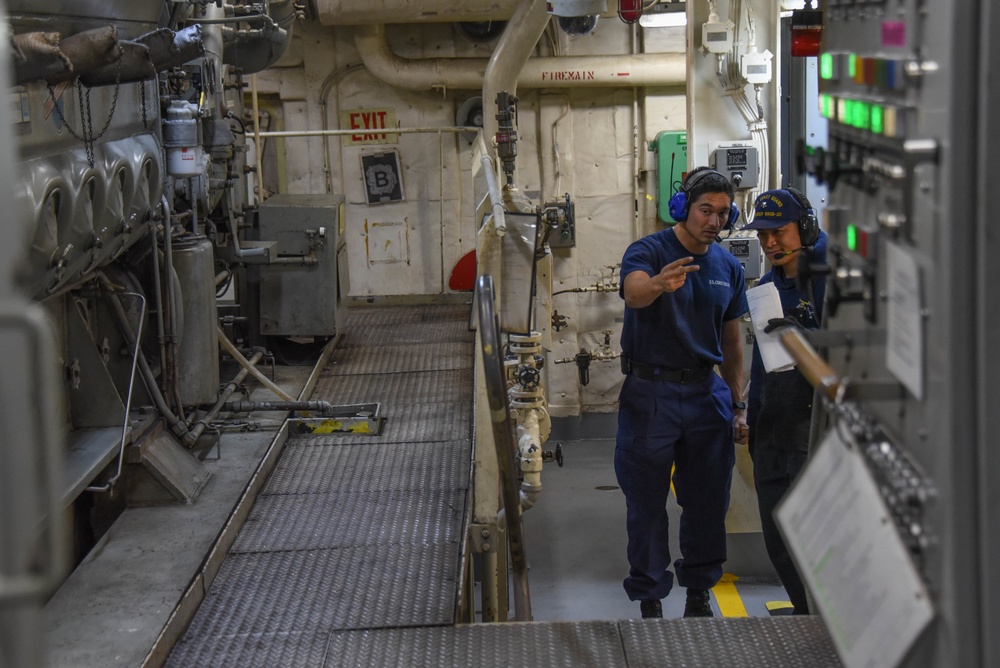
(370, 125)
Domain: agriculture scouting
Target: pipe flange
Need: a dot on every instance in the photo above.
(526, 402)
(523, 344)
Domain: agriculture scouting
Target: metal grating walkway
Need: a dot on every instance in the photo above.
(351, 555)
(354, 531)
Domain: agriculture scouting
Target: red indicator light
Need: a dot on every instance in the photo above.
(806, 42)
(807, 31)
(629, 11)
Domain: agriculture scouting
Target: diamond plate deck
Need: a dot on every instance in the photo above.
(794, 642)
(374, 586)
(540, 645)
(416, 387)
(321, 521)
(312, 469)
(425, 333)
(366, 316)
(399, 359)
(277, 650)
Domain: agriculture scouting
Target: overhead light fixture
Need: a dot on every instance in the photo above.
(577, 17)
(664, 15)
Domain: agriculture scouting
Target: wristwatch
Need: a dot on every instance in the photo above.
(739, 405)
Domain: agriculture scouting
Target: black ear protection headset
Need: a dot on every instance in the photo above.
(808, 223)
(679, 206)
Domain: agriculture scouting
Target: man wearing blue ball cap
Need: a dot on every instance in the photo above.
(780, 402)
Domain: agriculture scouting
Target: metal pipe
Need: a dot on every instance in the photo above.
(175, 424)
(258, 149)
(131, 384)
(394, 131)
(234, 234)
(324, 92)
(324, 357)
(254, 371)
(298, 260)
(157, 287)
(503, 436)
(323, 407)
(202, 423)
(170, 384)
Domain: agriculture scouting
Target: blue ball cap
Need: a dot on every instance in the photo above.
(773, 209)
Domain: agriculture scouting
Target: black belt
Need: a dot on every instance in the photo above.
(653, 372)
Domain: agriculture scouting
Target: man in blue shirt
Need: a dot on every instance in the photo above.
(684, 296)
(780, 403)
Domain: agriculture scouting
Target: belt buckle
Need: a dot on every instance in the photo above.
(685, 377)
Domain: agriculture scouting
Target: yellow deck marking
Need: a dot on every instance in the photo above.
(730, 603)
(330, 426)
(778, 605)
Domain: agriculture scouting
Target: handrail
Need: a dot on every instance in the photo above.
(131, 384)
(503, 438)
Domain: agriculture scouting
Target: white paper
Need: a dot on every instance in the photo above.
(904, 349)
(852, 559)
(765, 304)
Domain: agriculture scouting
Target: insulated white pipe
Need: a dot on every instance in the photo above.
(351, 12)
(529, 447)
(646, 69)
(507, 61)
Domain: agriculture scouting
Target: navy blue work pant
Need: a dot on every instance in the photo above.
(774, 472)
(689, 427)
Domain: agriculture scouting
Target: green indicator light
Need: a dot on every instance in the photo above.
(852, 66)
(878, 119)
(852, 237)
(863, 111)
(826, 66)
(826, 106)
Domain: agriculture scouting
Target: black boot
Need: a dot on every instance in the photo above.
(651, 609)
(698, 604)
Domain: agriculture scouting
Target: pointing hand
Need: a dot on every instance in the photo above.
(673, 276)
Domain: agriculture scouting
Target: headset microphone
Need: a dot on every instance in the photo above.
(781, 256)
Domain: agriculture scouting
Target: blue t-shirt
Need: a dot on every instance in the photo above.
(682, 329)
(795, 304)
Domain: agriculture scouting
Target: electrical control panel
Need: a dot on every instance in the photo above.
(740, 163)
(747, 251)
(909, 323)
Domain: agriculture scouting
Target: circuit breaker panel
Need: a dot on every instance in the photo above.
(908, 316)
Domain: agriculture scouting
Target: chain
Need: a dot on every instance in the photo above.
(86, 118)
